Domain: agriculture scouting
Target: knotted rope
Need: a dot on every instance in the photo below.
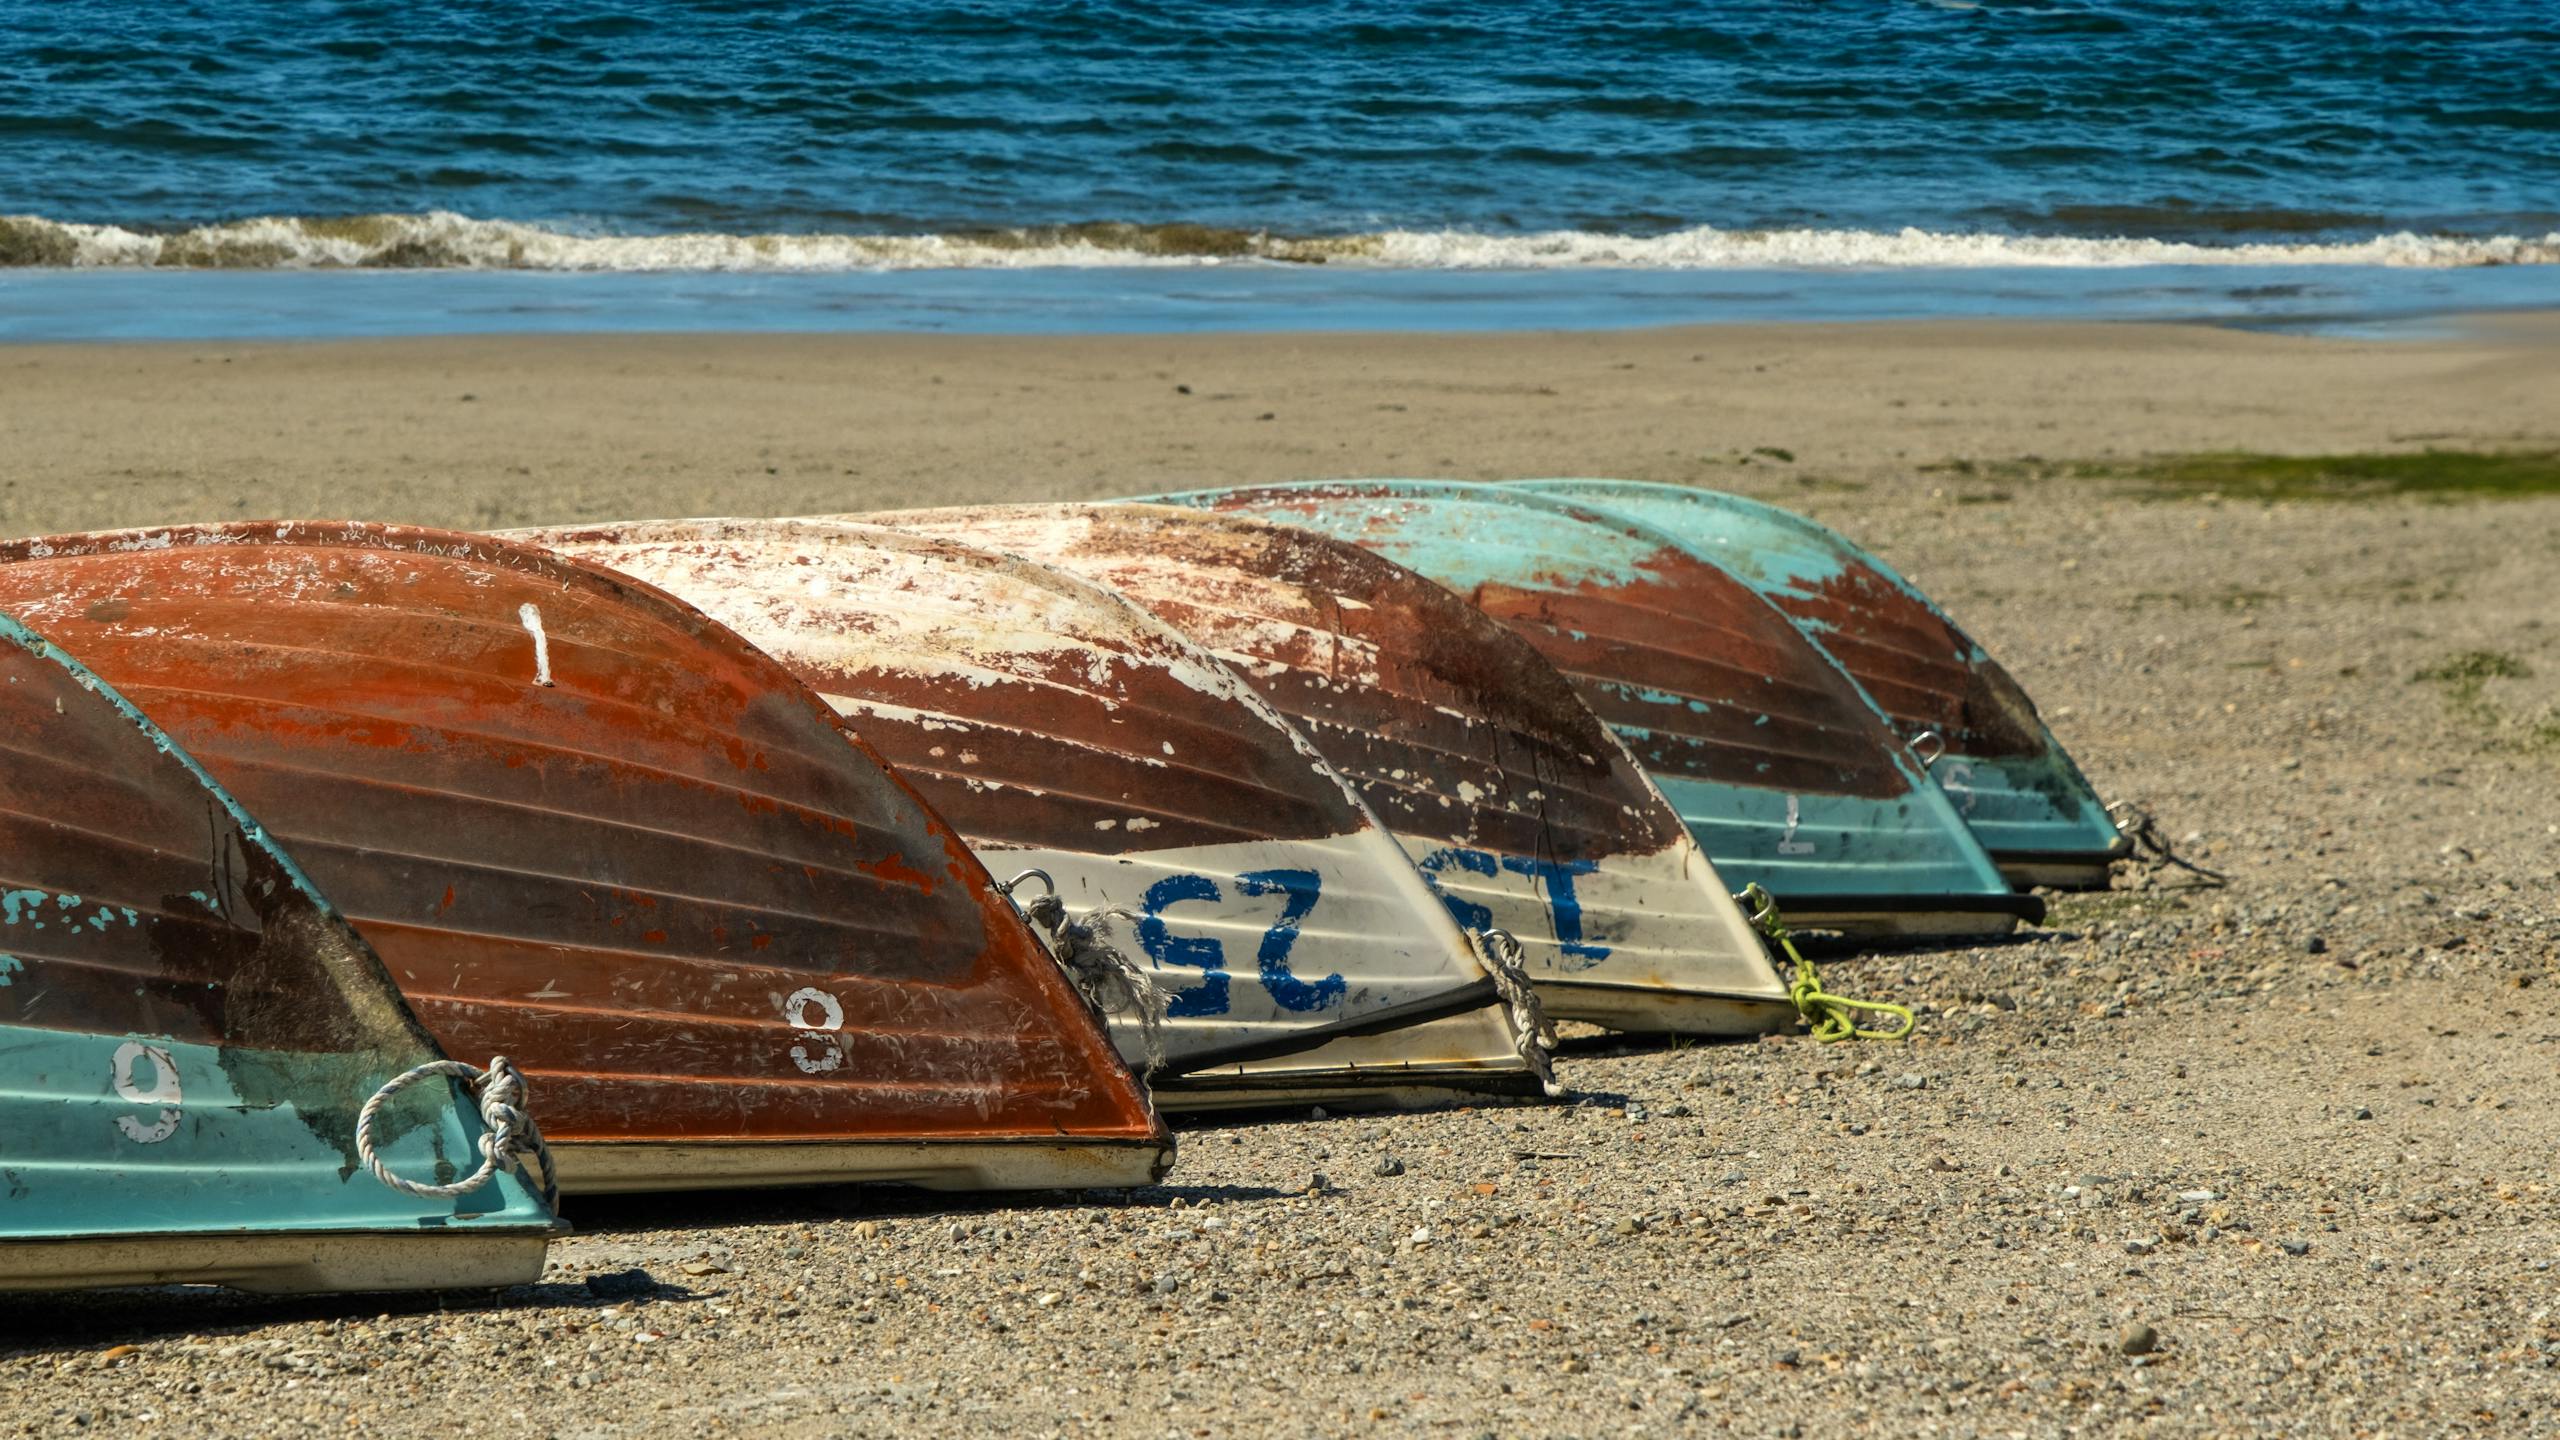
(1500, 955)
(507, 1136)
(1112, 982)
(1830, 1017)
(2136, 823)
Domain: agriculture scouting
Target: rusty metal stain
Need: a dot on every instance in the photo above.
(1060, 728)
(1783, 770)
(664, 882)
(1521, 807)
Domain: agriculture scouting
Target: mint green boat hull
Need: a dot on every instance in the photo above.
(187, 1031)
(2003, 770)
(1783, 770)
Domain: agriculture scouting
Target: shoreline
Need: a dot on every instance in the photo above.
(1228, 297)
(482, 432)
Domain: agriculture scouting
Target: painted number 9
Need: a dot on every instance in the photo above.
(133, 1056)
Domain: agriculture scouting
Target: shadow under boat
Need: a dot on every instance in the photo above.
(588, 828)
(1785, 772)
(2002, 768)
(1520, 807)
(1062, 730)
(188, 1031)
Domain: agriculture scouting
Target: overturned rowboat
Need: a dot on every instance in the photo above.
(1786, 774)
(1064, 731)
(2007, 775)
(588, 828)
(189, 1033)
(1523, 810)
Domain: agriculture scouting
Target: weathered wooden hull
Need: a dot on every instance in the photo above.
(587, 828)
(1784, 772)
(187, 1031)
(1061, 729)
(1523, 810)
(2004, 771)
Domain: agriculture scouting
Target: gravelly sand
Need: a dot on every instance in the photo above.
(2322, 1175)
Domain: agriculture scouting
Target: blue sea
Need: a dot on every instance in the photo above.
(333, 168)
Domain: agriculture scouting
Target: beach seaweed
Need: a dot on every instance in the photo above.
(2464, 678)
(2448, 474)
(34, 243)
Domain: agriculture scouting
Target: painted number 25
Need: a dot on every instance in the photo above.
(1271, 959)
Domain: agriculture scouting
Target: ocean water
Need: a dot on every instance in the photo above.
(2293, 160)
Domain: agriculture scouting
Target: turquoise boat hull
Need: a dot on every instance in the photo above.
(1784, 771)
(2002, 768)
(187, 1031)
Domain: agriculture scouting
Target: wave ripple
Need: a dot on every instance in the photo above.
(440, 240)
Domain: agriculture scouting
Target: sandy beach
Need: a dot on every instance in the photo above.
(521, 431)
(2268, 1158)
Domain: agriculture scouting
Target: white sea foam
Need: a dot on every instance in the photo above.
(442, 240)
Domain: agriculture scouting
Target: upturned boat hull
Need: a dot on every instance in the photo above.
(188, 1030)
(1783, 771)
(2003, 770)
(1063, 730)
(588, 828)
(1523, 811)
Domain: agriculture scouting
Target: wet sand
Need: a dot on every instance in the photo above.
(2299, 1127)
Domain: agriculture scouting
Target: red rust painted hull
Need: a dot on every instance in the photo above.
(1521, 806)
(1061, 728)
(587, 827)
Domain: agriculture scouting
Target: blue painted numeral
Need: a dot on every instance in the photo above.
(1212, 996)
(1564, 907)
(1164, 947)
(1302, 887)
(1468, 914)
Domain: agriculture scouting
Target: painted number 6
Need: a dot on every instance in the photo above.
(817, 1015)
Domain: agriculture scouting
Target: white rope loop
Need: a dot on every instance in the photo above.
(1108, 979)
(508, 1136)
(1501, 957)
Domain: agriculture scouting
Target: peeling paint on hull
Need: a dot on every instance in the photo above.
(2003, 769)
(663, 882)
(1061, 729)
(189, 1029)
(1521, 808)
(1785, 772)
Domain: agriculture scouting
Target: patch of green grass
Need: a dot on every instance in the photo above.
(2247, 475)
(1783, 457)
(2473, 668)
(2229, 597)
(2444, 474)
(2465, 677)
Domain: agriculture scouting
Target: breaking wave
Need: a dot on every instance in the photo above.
(443, 240)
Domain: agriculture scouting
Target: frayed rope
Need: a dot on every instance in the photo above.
(1103, 973)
